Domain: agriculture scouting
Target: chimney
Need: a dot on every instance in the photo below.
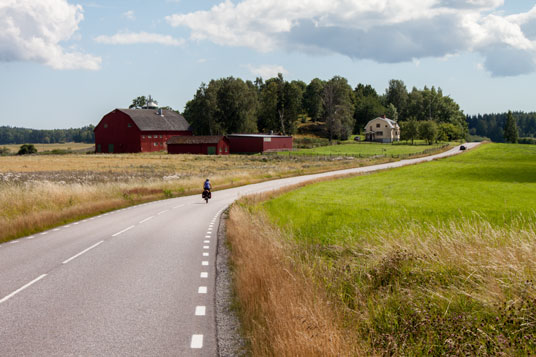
(160, 112)
(383, 116)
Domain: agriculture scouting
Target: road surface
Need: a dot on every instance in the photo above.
(138, 281)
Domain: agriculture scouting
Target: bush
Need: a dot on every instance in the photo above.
(4, 151)
(529, 140)
(27, 149)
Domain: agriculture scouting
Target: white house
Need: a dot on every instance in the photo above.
(382, 129)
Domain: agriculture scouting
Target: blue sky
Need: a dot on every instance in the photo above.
(67, 63)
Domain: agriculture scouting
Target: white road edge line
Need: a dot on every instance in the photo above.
(146, 219)
(204, 274)
(197, 341)
(82, 252)
(202, 290)
(20, 289)
(123, 231)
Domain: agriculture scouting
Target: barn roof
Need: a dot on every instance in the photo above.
(150, 120)
(214, 139)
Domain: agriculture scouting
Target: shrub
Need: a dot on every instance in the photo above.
(27, 149)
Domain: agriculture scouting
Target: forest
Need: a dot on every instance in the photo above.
(13, 135)
(491, 126)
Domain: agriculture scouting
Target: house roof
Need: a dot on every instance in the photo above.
(150, 120)
(258, 136)
(214, 139)
(390, 122)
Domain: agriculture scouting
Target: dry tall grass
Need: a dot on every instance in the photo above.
(283, 312)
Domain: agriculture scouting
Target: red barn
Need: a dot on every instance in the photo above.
(254, 143)
(138, 130)
(207, 145)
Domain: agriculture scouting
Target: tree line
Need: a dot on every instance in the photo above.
(13, 135)
(232, 105)
(495, 127)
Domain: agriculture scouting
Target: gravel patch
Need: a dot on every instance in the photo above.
(230, 340)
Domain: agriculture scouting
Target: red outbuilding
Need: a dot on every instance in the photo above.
(207, 145)
(256, 143)
(138, 130)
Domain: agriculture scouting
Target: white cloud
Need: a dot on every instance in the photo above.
(386, 31)
(129, 15)
(130, 38)
(33, 30)
(267, 71)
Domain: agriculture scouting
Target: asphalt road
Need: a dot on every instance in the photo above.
(138, 281)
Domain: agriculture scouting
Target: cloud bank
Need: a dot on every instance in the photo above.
(130, 38)
(33, 31)
(386, 31)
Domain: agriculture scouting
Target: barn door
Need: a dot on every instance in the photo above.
(211, 150)
(110, 148)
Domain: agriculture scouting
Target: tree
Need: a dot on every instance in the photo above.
(236, 106)
(510, 129)
(27, 149)
(142, 101)
(312, 99)
(368, 106)
(201, 111)
(391, 112)
(338, 100)
(409, 130)
(397, 94)
(428, 131)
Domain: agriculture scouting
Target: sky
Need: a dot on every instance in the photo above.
(67, 63)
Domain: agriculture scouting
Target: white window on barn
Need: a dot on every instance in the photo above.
(143, 136)
(149, 136)
(160, 136)
(155, 144)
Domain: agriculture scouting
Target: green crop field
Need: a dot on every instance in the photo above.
(430, 259)
(368, 149)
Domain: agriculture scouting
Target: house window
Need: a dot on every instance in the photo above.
(149, 136)
(379, 133)
(371, 128)
(386, 126)
(378, 125)
(226, 149)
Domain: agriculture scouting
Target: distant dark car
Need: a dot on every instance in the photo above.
(462, 147)
(357, 138)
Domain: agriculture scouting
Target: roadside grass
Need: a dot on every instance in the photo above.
(369, 149)
(432, 259)
(39, 192)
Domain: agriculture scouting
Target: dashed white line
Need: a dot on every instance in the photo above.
(204, 275)
(197, 341)
(206, 247)
(44, 233)
(123, 231)
(202, 290)
(206, 241)
(56, 229)
(204, 263)
(159, 213)
(205, 254)
(6, 298)
(179, 206)
(146, 219)
(200, 310)
(82, 252)
(31, 237)
(75, 223)
(66, 226)
(207, 236)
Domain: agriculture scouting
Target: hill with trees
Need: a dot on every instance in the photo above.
(492, 126)
(14, 135)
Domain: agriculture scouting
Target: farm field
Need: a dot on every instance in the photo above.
(431, 259)
(76, 147)
(370, 149)
(41, 191)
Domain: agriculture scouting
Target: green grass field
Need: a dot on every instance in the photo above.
(430, 259)
(367, 149)
(496, 183)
